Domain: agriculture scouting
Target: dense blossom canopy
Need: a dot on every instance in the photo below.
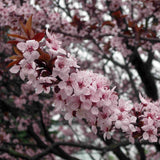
(89, 62)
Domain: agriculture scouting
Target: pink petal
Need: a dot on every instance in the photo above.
(67, 116)
(22, 75)
(145, 136)
(94, 110)
(94, 129)
(35, 55)
(22, 46)
(26, 55)
(48, 34)
(32, 43)
(15, 69)
(86, 105)
(118, 124)
(153, 138)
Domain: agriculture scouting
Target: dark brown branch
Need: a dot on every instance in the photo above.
(57, 151)
(141, 151)
(39, 142)
(48, 150)
(46, 133)
(145, 74)
(153, 40)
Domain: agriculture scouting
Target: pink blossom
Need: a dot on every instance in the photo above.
(67, 86)
(62, 67)
(15, 69)
(60, 100)
(27, 69)
(150, 131)
(81, 84)
(29, 46)
(29, 49)
(54, 44)
(84, 94)
(43, 84)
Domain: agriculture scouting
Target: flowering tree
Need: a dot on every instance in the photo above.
(79, 78)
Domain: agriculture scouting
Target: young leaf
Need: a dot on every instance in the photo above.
(18, 52)
(38, 37)
(17, 36)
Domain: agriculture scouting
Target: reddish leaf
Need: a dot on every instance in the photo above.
(28, 27)
(128, 32)
(93, 26)
(107, 46)
(131, 24)
(14, 62)
(44, 57)
(38, 37)
(77, 23)
(13, 42)
(117, 14)
(17, 36)
(76, 20)
(51, 63)
(23, 27)
(13, 57)
(150, 34)
(29, 24)
(18, 52)
(108, 23)
(40, 51)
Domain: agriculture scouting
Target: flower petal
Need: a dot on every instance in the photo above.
(15, 69)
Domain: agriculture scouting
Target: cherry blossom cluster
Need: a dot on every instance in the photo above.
(84, 94)
(38, 71)
(148, 119)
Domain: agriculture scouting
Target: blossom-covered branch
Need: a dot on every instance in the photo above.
(81, 94)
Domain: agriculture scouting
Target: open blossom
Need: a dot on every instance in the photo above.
(67, 85)
(29, 49)
(29, 46)
(80, 84)
(54, 44)
(60, 100)
(150, 131)
(43, 84)
(63, 66)
(27, 69)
